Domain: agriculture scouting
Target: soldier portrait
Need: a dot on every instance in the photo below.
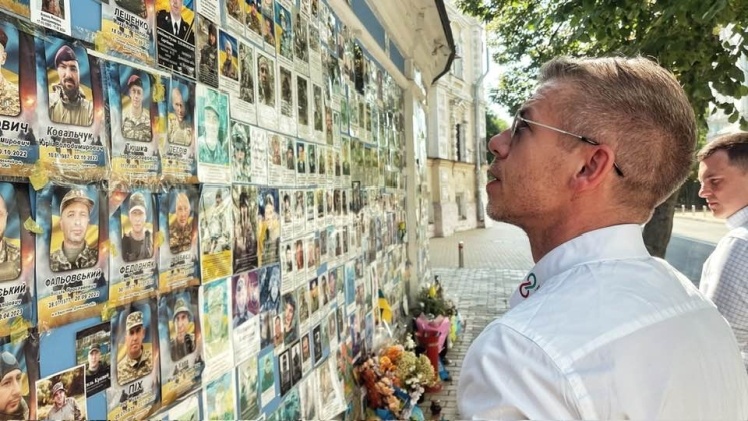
(13, 382)
(229, 60)
(285, 44)
(303, 102)
(135, 353)
(301, 48)
(70, 85)
(241, 298)
(216, 318)
(63, 406)
(300, 158)
(253, 17)
(275, 151)
(73, 223)
(268, 30)
(286, 92)
(181, 331)
(171, 20)
(136, 107)
(267, 372)
(247, 69)
(180, 222)
(245, 237)
(215, 224)
(266, 80)
(137, 243)
(180, 127)
(10, 102)
(240, 162)
(212, 144)
(269, 227)
(290, 156)
(208, 52)
(10, 247)
(234, 9)
(93, 350)
(317, 108)
(270, 290)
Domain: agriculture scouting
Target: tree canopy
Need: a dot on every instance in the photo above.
(687, 37)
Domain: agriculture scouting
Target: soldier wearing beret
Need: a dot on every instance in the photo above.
(75, 253)
(183, 343)
(67, 103)
(136, 121)
(137, 360)
(96, 368)
(138, 243)
(12, 404)
(10, 103)
(180, 233)
(10, 255)
(64, 408)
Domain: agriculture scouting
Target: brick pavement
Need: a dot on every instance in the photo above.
(496, 259)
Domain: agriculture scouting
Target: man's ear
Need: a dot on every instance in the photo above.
(597, 166)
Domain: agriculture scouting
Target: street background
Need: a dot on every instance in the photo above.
(496, 259)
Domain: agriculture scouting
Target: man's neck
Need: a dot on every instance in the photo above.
(71, 251)
(137, 236)
(136, 111)
(177, 18)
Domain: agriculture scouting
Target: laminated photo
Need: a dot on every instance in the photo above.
(299, 213)
(62, 396)
(270, 289)
(253, 20)
(317, 111)
(17, 251)
(215, 303)
(175, 36)
(246, 309)
(268, 380)
(308, 398)
(218, 398)
(245, 253)
(276, 170)
(178, 252)
(241, 161)
(267, 113)
(216, 233)
(290, 319)
(210, 9)
(267, 10)
(288, 160)
(269, 228)
(135, 389)
(19, 370)
(302, 107)
(287, 223)
(291, 406)
(179, 342)
(73, 130)
(300, 42)
(287, 106)
(133, 261)
(189, 409)
(127, 31)
(207, 44)
(137, 105)
(233, 15)
(52, 14)
(248, 387)
(93, 348)
(244, 103)
(214, 165)
(72, 253)
(315, 52)
(283, 33)
(178, 152)
(228, 59)
(19, 148)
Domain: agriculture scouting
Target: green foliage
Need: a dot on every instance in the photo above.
(683, 36)
(494, 126)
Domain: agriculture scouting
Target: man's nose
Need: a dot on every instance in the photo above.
(499, 144)
(704, 191)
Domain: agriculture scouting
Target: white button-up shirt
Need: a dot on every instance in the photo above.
(601, 329)
(724, 278)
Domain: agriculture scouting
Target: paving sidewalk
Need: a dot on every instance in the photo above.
(496, 259)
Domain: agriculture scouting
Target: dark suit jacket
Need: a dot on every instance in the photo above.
(163, 21)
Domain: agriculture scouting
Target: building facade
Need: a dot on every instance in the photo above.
(456, 133)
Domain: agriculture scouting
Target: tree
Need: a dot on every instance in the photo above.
(699, 41)
(494, 126)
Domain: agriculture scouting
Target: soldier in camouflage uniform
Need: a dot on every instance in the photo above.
(217, 228)
(10, 255)
(180, 128)
(75, 211)
(64, 408)
(212, 148)
(228, 68)
(136, 121)
(137, 360)
(67, 103)
(138, 243)
(180, 233)
(10, 103)
(183, 343)
(12, 404)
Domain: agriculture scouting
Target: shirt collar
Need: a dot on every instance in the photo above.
(737, 219)
(615, 242)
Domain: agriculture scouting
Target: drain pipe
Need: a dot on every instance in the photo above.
(480, 144)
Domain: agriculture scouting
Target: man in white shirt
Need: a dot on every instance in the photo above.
(723, 173)
(599, 329)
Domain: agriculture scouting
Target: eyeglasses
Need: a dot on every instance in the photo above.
(518, 119)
